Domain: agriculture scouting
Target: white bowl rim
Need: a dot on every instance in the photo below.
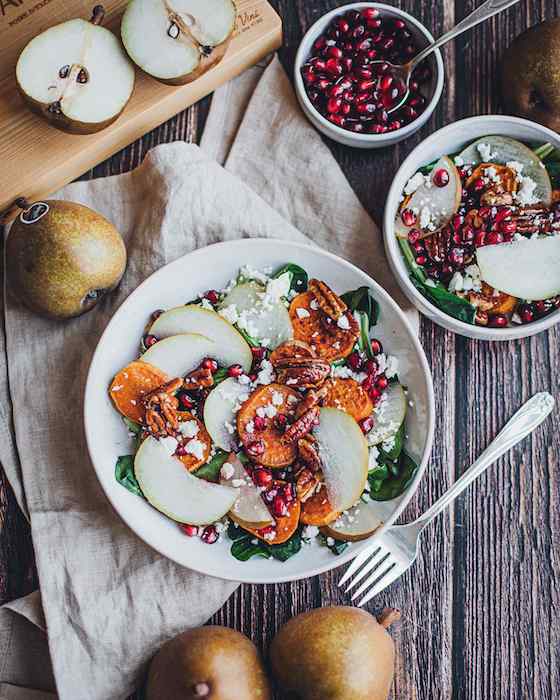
(339, 560)
(409, 129)
(394, 252)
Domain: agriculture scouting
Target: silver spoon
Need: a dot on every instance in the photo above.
(401, 74)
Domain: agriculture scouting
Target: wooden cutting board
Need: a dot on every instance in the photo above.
(36, 159)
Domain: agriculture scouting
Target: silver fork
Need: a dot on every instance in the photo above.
(396, 550)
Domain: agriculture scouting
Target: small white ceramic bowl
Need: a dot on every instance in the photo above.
(448, 140)
(211, 268)
(349, 138)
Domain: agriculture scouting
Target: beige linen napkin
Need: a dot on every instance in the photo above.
(108, 600)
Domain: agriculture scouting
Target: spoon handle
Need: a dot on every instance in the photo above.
(529, 417)
(485, 11)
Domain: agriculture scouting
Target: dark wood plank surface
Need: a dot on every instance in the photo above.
(480, 608)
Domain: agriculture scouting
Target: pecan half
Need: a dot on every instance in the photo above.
(307, 448)
(329, 302)
(161, 409)
(303, 373)
(301, 426)
(306, 484)
(312, 398)
(198, 379)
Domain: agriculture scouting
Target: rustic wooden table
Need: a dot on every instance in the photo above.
(479, 607)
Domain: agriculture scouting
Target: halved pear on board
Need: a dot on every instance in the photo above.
(389, 414)
(432, 207)
(180, 354)
(358, 523)
(249, 510)
(219, 412)
(503, 150)
(265, 318)
(344, 456)
(176, 41)
(177, 493)
(76, 75)
(195, 319)
(527, 269)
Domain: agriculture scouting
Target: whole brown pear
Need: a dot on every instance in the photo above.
(530, 75)
(338, 653)
(208, 663)
(62, 257)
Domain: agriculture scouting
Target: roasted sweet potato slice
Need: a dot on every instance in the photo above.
(492, 302)
(191, 461)
(290, 349)
(317, 510)
(263, 433)
(284, 527)
(347, 395)
(131, 384)
(329, 341)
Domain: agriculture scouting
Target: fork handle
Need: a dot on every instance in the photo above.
(484, 12)
(529, 417)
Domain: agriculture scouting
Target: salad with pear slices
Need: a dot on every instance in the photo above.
(479, 231)
(267, 413)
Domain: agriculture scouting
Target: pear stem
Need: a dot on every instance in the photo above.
(98, 15)
(388, 616)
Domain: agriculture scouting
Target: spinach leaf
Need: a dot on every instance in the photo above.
(211, 470)
(362, 299)
(394, 486)
(132, 426)
(395, 452)
(284, 551)
(252, 342)
(299, 278)
(244, 548)
(436, 293)
(220, 375)
(553, 170)
(124, 474)
(337, 547)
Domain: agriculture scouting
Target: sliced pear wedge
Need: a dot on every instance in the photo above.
(249, 510)
(344, 455)
(358, 523)
(527, 269)
(503, 150)
(180, 354)
(219, 412)
(432, 206)
(195, 319)
(175, 492)
(262, 317)
(388, 415)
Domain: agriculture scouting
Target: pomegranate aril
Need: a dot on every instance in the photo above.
(235, 371)
(319, 65)
(399, 24)
(320, 43)
(370, 13)
(333, 67)
(345, 108)
(498, 321)
(494, 237)
(382, 383)
(374, 23)
(394, 125)
(526, 313)
(408, 217)
(262, 477)
(480, 239)
(479, 184)
(441, 177)
(288, 492)
(310, 77)
(334, 52)
(365, 85)
(456, 257)
(386, 82)
(368, 383)
(374, 395)
(354, 360)
(363, 97)
(342, 25)
(260, 423)
(256, 448)
(371, 367)
(209, 535)
(337, 119)
(346, 65)
(213, 296)
(279, 507)
(209, 363)
(185, 401)
(269, 529)
(258, 353)
(377, 129)
(333, 105)
(376, 347)
(149, 340)
(181, 450)
(323, 84)
(366, 424)
(414, 235)
(281, 421)
(421, 260)
(189, 530)
(508, 227)
(365, 108)
(336, 90)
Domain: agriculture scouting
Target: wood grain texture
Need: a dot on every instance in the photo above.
(480, 605)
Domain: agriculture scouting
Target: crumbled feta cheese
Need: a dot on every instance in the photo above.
(391, 366)
(309, 532)
(372, 461)
(196, 448)
(485, 151)
(459, 162)
(266, 373)
(206, 304)
(270, 410)
(526, 193)
(302, 313)
(425, 217)
(189, 428)
(243, 379)
(279, 287)
(414, 183)
(516, 166)
(313, 304)
(251, 273)
(456, 283)
(229, 427)
(117, 387)
(343, 323)
(330, 542)
(277, 398)
(229, 313)
(227, 471)
(250, 427)
(237, 483)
